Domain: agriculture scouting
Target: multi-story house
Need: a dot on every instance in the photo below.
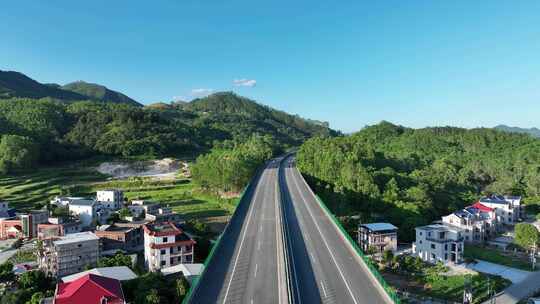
(439, 243)
(31, 220)
(57, 227)
(507, 208)
(377, 236)
(120, 237)
(5, 211)
(110, 199)
(86, 210)
(11, 228)
(477, 222)
(166, 245)
(69, 254)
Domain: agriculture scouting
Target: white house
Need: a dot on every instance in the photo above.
(166, 245)
(111, 199)
(85, 209)
(507, 208)
(439, 243)
(477, 222)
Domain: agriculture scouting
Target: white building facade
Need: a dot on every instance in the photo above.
(166, 245)
(439, 243)
(111, 199)
(507, 208)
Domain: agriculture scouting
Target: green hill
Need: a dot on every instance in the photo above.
(535, 132)
(98, 92)
(15, 84)
(238, 114)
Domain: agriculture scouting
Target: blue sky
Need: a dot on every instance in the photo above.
(352, 63)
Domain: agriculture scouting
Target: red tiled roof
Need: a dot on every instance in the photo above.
(482, 207)
(89, 289)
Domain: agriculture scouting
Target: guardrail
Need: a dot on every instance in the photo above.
(195, 282)
(372, 268)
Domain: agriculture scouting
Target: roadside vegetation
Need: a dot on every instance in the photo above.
(410, 177)
(410, 275)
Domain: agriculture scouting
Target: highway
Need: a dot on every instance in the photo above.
(281, 247)
(325, 269)
(248, 265)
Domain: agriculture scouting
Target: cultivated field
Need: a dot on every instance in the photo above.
(35, 189)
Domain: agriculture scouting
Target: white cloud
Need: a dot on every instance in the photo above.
(243, 82)
(201, 92)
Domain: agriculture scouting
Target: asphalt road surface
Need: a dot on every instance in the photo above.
(325, 268)
(248, 265)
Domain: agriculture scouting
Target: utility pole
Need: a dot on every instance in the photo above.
(467, 290)
(533, 257)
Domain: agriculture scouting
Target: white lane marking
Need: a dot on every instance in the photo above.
(259, 245)
(256, 267)
(243, 236)
(323, 289)
(325, 242)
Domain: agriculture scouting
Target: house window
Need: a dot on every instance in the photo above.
(162, 251)
(433, 255)
(432, 246)
(420, 232)
(420, 241)
(162, 263)
(446, 256)
(445, 246)
(165, 240)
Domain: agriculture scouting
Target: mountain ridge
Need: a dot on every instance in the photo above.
(14, 84)
(535, 132)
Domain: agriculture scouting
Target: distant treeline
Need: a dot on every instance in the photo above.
(411, 177)
(230, 166)
(40, 131)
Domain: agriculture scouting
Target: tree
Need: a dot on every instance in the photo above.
(6, 272)
(119, 259)
(124, 212)
(152, 297)
(113, 218)
(182, 287)
(36, 280)
(526, 235)
(17, 152)
(36, 298)
(387, 256)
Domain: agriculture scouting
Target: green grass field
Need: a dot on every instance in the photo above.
(495, 256)
(35, 189)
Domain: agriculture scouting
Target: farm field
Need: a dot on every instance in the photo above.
(35, 189)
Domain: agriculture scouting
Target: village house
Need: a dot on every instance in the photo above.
(166, 245)
(57, 227)
(31, 220)
(439, 243)
(377, 236)
(120, 237)
(11, 229)
(90, 288)
(110, 199)
(69, 254)
(478, 223)
(507, 208)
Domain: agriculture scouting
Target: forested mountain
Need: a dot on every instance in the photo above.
(411, 177)
(98, 92)
(15, 84)
(229, 112)
(47, 130)
(532, 131)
